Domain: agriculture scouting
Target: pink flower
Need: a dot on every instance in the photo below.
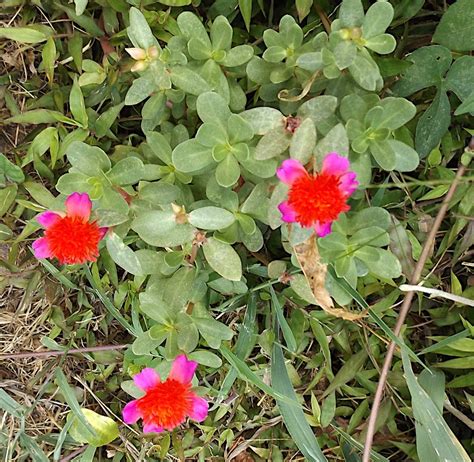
(166, 405)
(317, 200)
(70, 237)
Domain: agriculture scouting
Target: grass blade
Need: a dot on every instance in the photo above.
(431, 429)
(285, 328)
(72, 400)
(8, 404)
(293, 416)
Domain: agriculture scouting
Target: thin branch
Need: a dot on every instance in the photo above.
(405, 308)
(437, 293)
(459, 415)
(45, 354)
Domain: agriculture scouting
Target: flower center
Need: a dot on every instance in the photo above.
(167, 404)
(73, 240)
(317, 199)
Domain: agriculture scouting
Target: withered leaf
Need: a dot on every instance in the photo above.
(315, 271)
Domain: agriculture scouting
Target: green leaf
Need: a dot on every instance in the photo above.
(239, 129)
(123, 255)
(213, 108)
(246, 12)
(141, 89)
(211, 218)
(351, 13)
(272, 144)
(263, 119)
(293, 416)
(406, 158)
(190, 156)
(318, 108)
(49, 58)
(129, 170)
(456, 28)
(89, 160)
(428, 68)
(139, 31)
(303, 141)
(192, 27)
(77, 105)
(81, 6)
(335, 141)
(228, 171)
(159, 228)
(25, 34)
(40, 116)
(428, 417)
(303, 7)
(237, 56)
(377, 19)
(214, 332)
(466, 106)
(382, 44)
(106, 120)
(188, 80)
(433, 124)
(347, 372)
(206, 358)
(221, 34)
(10, 171)
(396, 113)
(106, 430)
(459, 77)
(223, 259)
(175, 2)
(364, 71)
(381, 263)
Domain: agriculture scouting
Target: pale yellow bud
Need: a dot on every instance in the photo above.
(137, 54)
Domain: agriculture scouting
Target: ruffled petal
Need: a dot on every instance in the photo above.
(288, 214)
(322, 229)
(79, 205)
(48, 218)
(334, 164)
(182, 369)
(199, 410)
(146, 379)
(290, 170)
(131, 413)
(41, 248)
(102, 232)
(348, 183)
(152, 428)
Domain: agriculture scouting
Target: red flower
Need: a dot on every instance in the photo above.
(70, 237)
(165, 405)
(317, 200)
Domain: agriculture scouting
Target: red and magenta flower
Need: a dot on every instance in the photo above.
(165, 405)
(316, 200)
(70, 237)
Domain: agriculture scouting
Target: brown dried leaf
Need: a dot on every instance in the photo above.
(315, 271)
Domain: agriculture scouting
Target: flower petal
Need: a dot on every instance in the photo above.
(287, 212)
(79, 205)
(322, 229)
(146, 379)
(136, 53)
(103, 232)
(48, 218)
(334, 164)
(152, 428)
(348, 183)
(131, 413)
(199, 410)
(290, 170)
(41, 248)
(182, 369)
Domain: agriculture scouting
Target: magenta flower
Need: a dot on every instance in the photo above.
(316, 200)
(70, 237)
(166, 405)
